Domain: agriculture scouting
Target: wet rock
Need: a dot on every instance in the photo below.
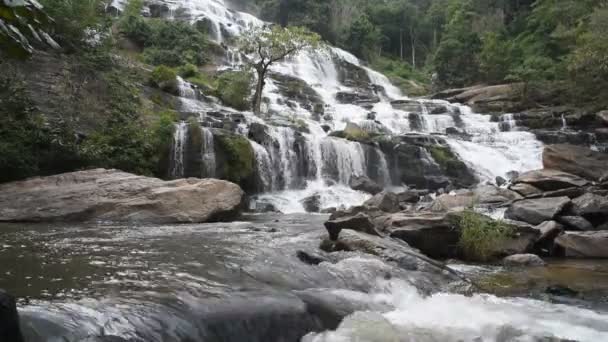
(329, 210)
(562, 291)
(490, 194)
(9, 319)
(356, 97)
(359, 222)
(310, 258)
(384, 201)
(583, 244)
(536, 211)
(523, 260)
(500, 181)
(363, 183)
(575, 223)
(603, 117)
(112, 195)
(549, 230)
(512, 175)
(550, 180)
(312, 204)
(592, 206)
(526, 190)
(410, 196)
(577, 160)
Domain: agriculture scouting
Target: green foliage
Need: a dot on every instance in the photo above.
(28, 144)
(234, 89)
(15, 22)
(401, 74)
(451, 165)
(75, 21)
(172, 43)
(239, 157)
(481, 236)
(164, 78)
(363, 39)
(495, 58)
(188, 70)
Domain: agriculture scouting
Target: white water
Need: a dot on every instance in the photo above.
(451, 318)
(208, 153)
(179, 144)
(489, 152)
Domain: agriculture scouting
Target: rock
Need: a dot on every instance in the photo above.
(329, 210)
(410, 196)
(9, 319)
(490, 194)
(112, 195)
(592, 206)
(575, 223)
(512, 175)
(359, 222)
(549, 230)
(500, 181)
(449, 202)
(523, 260)
(438, 234)
(550, 180)
(577, 160)
(363, 183)
(536, 211)
(310, 258)
(525, 190)
(312, 204)
(562, 291)
(385, 201)
(603, 117)
(583, 244)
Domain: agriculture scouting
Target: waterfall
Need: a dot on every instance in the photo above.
(507, 122)
(343, 159)
(208, 153)
(178, 150)
(264, 170)
(564, 123)
(185, 89)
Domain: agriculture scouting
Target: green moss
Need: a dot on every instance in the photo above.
(205, 82)
(194, 132)
(451, 165)
(481, 236)
(239, 157)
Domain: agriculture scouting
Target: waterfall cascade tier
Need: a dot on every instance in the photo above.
(294, 145)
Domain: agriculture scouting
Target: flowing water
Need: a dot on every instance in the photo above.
(244, 281)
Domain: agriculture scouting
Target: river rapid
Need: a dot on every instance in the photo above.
(248, 281)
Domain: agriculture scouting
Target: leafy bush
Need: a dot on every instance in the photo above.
(481, 236)
(234, 89)
(240, 158)
(188, 70)
(74, 20)
(164, 78)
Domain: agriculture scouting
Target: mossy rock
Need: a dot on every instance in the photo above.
(452, 166)
(239, 158)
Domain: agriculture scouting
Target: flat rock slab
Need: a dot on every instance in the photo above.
(536, 211)
(112, 195)
(577, 160)
(550, 180)
(584, 244)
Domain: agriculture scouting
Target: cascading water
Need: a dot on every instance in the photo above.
(178, 150)
(208, 153)
(490, 150)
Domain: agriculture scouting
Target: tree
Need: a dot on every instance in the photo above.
(20, 21)
(267, 45)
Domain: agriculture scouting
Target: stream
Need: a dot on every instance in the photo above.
(244, 281)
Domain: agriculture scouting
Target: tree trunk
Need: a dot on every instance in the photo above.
(401, 43)
(257, 98)
(284, 13)
(413, 43)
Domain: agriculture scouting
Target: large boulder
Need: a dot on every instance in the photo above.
(550, 180)
(438, 234)
(9, 319)
(384, 201)
(448, 202)
(112, 195)
(577, 160)
(536, 211)
(583, 244)
(591, 206)
(358, 222)
(363, 183)
(525, 190)
(575, 223)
